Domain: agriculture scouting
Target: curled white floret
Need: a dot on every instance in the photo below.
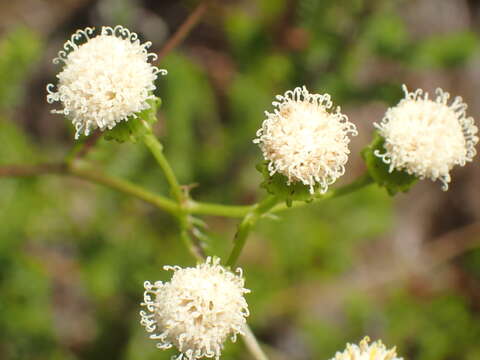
(197, 310)
(427, 137)
(366, 351)
(105, 79)
(305, 139)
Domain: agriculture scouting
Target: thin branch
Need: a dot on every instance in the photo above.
(184, 29)
(33, 170)
(252, 344)
(357, 184)
(88, 144)
(94, 176)
(246, 226)
(191, 206)
(126, 187)
(203, 208)
(156, 148)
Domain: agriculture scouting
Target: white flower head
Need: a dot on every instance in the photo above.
(427, 137)
(105, 78)
(305, 139)
(196, 310)
(365, 351)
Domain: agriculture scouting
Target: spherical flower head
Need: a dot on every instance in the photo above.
(105, 78)
(365, 351)
(427, 138)
(196, 310)
(305, 140)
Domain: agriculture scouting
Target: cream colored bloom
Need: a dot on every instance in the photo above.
(364, 351)
(427, 138)
(196, 310)
(305, 140)
(105, 78)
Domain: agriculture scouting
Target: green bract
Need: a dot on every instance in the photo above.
(277, 185)
(133, 129)
(394, 181)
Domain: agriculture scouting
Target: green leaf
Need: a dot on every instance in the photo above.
(277, 185)
(394, 181)
(134, 128)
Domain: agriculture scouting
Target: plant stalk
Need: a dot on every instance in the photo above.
(156, 148)
(246, 226)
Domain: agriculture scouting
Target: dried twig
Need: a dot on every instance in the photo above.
(24, 171)
(184, 29)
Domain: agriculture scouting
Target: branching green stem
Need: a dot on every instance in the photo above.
(271, 203)
(182, 215)
(191, 206)
(246, 226)
(239, 211)
(181, 210)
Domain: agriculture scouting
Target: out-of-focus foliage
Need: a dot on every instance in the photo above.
(74, 256)
(19, 51)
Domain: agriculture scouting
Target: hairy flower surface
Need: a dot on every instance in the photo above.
(196, 310)
(305, 140)
(427, 138)
(365, 351)
(105, 78)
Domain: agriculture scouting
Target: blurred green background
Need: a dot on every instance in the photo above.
(74, 256)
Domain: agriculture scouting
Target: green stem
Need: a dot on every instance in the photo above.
(93, 176)
(124, 187)
(232, 211)
(192, 207)
(246, 226)
(239, 211)
(361, 182)
(357, 184)
(156, 149)
(252, 344)
(183, 214)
